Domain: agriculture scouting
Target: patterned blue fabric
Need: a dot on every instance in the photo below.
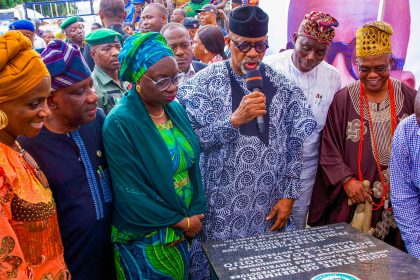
(90, 174)
(243, 178)
(129, 8)
(405, 182)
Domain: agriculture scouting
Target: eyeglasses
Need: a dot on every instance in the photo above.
(165, 83)
(379, 69)
(244, 47)
(349, 53)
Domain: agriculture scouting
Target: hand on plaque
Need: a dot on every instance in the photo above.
(281, 211)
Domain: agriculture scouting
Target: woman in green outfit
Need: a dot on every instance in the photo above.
(153, 156)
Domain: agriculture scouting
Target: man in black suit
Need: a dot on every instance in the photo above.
(178, 39)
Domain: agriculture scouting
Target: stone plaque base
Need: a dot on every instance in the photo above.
(329, 252)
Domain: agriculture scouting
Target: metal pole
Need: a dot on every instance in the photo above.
(26, 10)
(51, 10)
(57, 9)
(381, 10)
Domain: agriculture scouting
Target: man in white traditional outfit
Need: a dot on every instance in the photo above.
(305, 66)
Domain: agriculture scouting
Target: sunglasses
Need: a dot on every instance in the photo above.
(164, 83)
(245, 47)
(379, 69)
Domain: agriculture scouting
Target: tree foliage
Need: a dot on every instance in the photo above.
(53, 10)
(5, 4)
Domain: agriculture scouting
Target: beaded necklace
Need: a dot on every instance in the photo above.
(393, 113)
(30, 165)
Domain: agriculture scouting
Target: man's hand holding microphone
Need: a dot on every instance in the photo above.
(253, 105)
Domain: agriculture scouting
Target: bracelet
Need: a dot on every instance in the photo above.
(188, 224)
(348, 181)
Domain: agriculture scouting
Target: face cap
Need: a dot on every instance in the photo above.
(207, 8)
(318, 26)
(22, 24)
(374, 38)
(70, 20)
(103, 36)
(249, 21)
(190, 23)
(65, 64)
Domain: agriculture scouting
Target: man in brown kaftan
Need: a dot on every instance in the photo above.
(345, 159)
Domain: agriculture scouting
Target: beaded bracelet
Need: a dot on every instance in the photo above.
(348, 181)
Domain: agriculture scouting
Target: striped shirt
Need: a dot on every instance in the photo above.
(405, 182)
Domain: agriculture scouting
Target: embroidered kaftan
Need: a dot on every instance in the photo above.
(339, 157)
(84, 210)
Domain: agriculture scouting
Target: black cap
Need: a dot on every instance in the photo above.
(237, 1)
(249, 21)
(190, 22)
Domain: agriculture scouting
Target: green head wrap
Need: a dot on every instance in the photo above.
(140, 52)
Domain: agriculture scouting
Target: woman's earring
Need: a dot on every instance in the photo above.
(138, 88)
(3, 119)
(206, 51)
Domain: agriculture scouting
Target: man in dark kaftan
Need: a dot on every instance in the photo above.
(371, 107)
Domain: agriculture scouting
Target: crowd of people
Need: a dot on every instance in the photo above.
(123, 150)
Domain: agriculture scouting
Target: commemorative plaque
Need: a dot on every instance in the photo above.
(329, 252)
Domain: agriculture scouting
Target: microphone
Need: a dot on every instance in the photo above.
(254, 82)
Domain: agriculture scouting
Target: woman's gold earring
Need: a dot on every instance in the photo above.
(138, 88)
(3, 119)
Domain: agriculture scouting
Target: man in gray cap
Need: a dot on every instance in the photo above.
(251, 176)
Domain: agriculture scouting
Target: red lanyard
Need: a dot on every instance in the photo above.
(393, 112)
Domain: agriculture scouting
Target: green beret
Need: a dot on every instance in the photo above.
(70, 20)
(103, 36)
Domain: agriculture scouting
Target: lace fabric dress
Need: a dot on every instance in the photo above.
(31, 246)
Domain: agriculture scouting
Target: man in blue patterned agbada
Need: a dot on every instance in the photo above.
(251, 179)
